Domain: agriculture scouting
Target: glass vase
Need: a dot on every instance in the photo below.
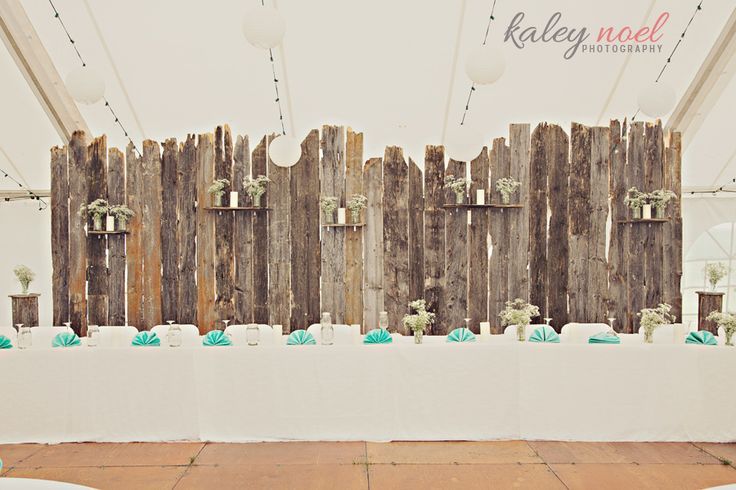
(329, 217)
(648, 336)
(97, 222)
(217, 199)
(659, 212)
(327, 331)
(459, 198)
(257, 200)
(252, 334)
(635, 213)
(355, 216)
(505, 199)
(729, 338)
(418, 336)
(521, 333)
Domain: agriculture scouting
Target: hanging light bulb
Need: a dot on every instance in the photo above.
(656, 99)
(285, 151)
(85, 85)
(264, 27)
(485, 64)
(463, 144)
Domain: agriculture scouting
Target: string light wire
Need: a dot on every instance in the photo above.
(31, 195)
(491, 18)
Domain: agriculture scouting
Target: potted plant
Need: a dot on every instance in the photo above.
(122, 215)
(328, 205)
(659, 200)
(727, 321)
(459, 186)
(635, 200)
(217, 190)
(651, 318)
(98, 209)
(356, 204)
(507, 186)
(715, 271)
(25, 276)
(255, 188)
(419, 321)
(520, 313)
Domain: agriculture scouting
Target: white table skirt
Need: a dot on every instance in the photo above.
(402, 391)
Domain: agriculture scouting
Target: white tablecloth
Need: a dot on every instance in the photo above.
(401, 391)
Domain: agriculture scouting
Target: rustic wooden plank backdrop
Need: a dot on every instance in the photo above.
(60, 234)
(373, 245)
(354, 236)
(500, 229)
(478, 243)
(242, 237)
(77, 238)
(169, 225)
(116, 243)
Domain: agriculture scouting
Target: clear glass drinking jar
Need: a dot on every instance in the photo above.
(93, 336)
(252, 334)
(24, 337)
(173, 336)
(327, 331)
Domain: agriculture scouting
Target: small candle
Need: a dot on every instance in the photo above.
(110, 223)
(485, 328)
(278, 331)
(480, 196)
(646, 211)
(233, 199)
(341, 217)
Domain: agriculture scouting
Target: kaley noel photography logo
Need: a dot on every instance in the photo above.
(577, 39)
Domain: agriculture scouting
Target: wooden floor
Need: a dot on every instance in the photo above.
(359, 465)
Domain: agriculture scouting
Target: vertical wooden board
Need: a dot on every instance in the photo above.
(395, 236)
(332, 179)
(373, 302)
(134, 240)
(205, 235)
(186, 232)
(654, 241)
(242, 237)
(597, 263)
(580, 209)
(556, 150)
(224, 276)
(279, 249)
(456, 258)
(116, 243)
(519, 218)
(305, 240)
(169, 225)
(478, 245)
(151, 231)
(60, 234)
(97, 278)
(354, 236)
(499, 227)
(637, 232)
(618, 243)
(673, 228)
(538, 217)
(260, 241)
(416, 232)
(434, 232)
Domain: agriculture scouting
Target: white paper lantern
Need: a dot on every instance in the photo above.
(285, 151)
(85, 85)
(264, 27)
(656, 99)
(485, 64)
(463, 144)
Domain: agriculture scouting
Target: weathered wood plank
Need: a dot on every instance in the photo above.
(373, 302)
(434, 232)
(636, 284)
(151, 231)
(654, 241)
(673, 228)
(206, 317)
(24, 309)
(597, 264)
(60, 234)
(519, 218)
(499, 229)
(242, 237)
(354, 236)
(556, 149)
(332, 180)
(305, 240)
(580, 209)
(456, 258)
(169, 225)
(134, 240)
(186, 175)
(116, 243)
(224, 275)
(97, 278)
(478, 244)
(618, 243)
(416, 232)
(260, 235)
(538, 219)
(279, 246)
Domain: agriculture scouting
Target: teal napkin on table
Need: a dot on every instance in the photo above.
(461, 335)
(378, 336)
(544, 334)
(65, 339)
(604, 338)
(300, 337)
(216, 338)
(5, 342)
(146, 339)
(702, 337)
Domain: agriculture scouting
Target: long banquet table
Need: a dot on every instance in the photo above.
(434, 391)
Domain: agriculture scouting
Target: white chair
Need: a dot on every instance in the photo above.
(43, 337)
(114, 337)
(579, 333)
(528, 330)
(344, 334)
(11, 333)
(666, 334)
(189, 335)
(237, 334)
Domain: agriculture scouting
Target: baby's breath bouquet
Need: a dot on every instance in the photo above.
(420, 320)
(652, 318)
(328, 205)
(255, 188)
(727, 321)
(122, 214)
(715, 272)
(459, 186)
(98, 209)
(636, 199)
(507, 186)
(520, 313)
(356, 204)
(25, 276)
(659, 200)
(217, 190)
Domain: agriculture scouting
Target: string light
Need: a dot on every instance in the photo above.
(491, 18)
(276, 84)
(31, 195)
(57, 16)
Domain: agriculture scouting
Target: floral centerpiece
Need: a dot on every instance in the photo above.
(659, 200)
(98, 209)
(727, 321)
(635, 200)
(459, 186)
(520, 313)
(122, 215)
(25, 276)
(418, 321)
(255, 188)
(715, 271)
(507, 186)
(652, 318)
(217, 190)
(356, 204)
(328, 205)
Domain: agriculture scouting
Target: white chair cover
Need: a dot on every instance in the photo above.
(578, 333)
(528, 331)
(344, 334)
(114, 337)
(237, 334)
(189, 335)
(11, 333)
(42, 337)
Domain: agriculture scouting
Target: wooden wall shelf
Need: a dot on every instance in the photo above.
(491, 206)
(239, 208)
(342, 225)
(632, 221)
(105, 232)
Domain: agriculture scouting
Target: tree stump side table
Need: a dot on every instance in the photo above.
(25, 309)
(708, 301)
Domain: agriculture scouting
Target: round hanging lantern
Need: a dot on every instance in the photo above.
(463, 144)
(85, 85)
(656, 99)
(285, 151)
(264, 27)
(485, 64)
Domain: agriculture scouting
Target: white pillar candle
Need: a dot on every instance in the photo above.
(110, 223)
(278, 331)
(646, 211)
(341, 217)
(485, 328)
(480, 196)
(233, 199)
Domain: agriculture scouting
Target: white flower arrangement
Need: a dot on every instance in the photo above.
(727, 321)
(122, 214)
(98, 209)
(459, 186)
(217, 189)
(660, 198)
(652, 318)
(636, 199)
(25, 276)
(255, 187)
(328, 205)
(357, 203)
(507, 186)
(715, 272)
(520, 313)
(421, 319)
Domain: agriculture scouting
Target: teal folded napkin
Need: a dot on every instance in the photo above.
(5, 342)
(300, 337)
(604, 338)
(702, 337)
(461, 335)
(378, 336)
(146, 339)
(216, 338)
(544, 334)
(65, 339)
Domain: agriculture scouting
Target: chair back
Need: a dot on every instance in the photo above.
(115, 337)
(528, 330)
(189, 335)
(11, 333)
(578, 333)
(43, 337)
(344, 334)
(237, 334)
